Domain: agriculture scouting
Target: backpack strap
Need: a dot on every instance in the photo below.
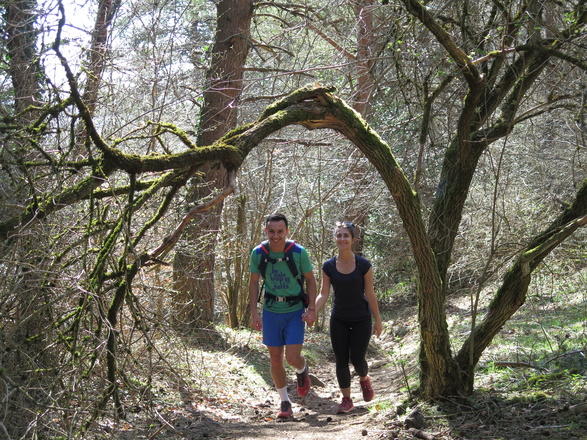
(292, 264)
(288, 258)
(264, 251)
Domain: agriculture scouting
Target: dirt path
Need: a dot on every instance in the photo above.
(315, 414)
(241, 403)
(254, 415)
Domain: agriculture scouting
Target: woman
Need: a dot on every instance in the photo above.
(351, 278)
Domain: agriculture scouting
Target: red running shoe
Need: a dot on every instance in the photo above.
(303, 382)
(285, 412)
(345, 406)
(367, 390)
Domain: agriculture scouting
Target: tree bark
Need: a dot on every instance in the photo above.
(194, 266)
(365, 82)
(361, 100)
(20, 41)
(96, 60)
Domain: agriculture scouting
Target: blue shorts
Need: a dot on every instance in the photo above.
(281, 329)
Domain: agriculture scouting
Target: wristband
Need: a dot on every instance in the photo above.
(313, 310)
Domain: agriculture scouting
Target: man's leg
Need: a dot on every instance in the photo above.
(294, 339)
(294, 357)
(279, 376)
(278, 372)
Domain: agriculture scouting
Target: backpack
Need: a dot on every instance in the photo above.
(290, 248)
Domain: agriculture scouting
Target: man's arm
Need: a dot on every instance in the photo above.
(254, 299)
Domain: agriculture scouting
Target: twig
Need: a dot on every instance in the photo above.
(548, 427)
(421, 434)
(4, 431)
(170, 241)
(165, 423)
(518, 365)
(156, 432)
(579, 408)
(568, 353)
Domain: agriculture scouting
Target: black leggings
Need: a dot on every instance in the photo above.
(350, 341)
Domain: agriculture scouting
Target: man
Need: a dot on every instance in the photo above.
(284, 317)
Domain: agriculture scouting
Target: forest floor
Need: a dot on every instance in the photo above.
(235, 398)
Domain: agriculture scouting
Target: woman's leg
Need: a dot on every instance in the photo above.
(360, 336)
(340, 339)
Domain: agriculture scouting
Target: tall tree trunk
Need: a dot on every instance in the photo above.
(96, 60)
(20, 42)
(194, 265)
(96, 64)
(236, 268)
(460, 164)
(365, 47)
(26, 327)
(358, 212)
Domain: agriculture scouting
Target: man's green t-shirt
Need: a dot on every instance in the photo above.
(279, 280)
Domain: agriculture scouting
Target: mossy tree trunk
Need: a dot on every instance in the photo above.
(490, 92)
(23, 67)
(512, 293)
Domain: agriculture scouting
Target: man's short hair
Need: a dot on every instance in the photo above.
(276, 218)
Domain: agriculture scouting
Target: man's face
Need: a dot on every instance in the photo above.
(276, 233)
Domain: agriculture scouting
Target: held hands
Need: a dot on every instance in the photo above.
(309, 317)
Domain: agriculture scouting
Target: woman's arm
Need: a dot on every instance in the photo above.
(372, 300)
(324, 292)
(309, 316)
